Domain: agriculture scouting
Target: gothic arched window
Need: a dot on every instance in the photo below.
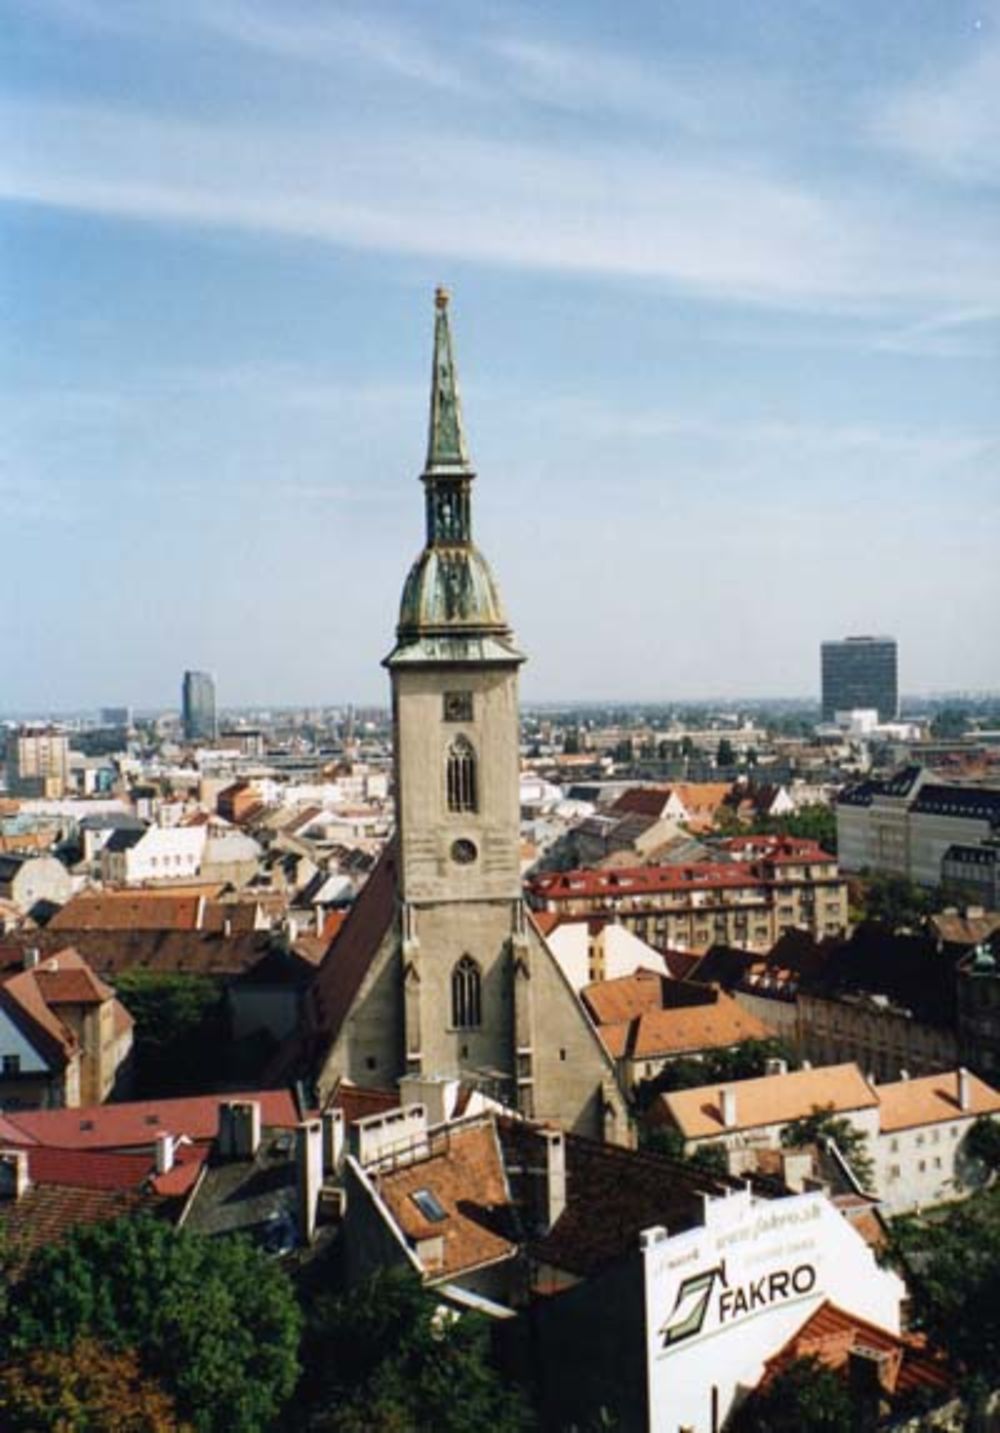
(461, 776)
(466, 995)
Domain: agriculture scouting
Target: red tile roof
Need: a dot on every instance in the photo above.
(136, 1124)
(832, 1334)
(624, 997)
(359, 1101)
(87, 1169)
(47, 1212)
(134, 909)
(465, 1174)
(636, 881)
(71, 987)
(643, 801)
(687, 1029)
(767, 1100)
(932, 1099)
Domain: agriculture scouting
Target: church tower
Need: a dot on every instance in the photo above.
(438, 970)
(455, 716)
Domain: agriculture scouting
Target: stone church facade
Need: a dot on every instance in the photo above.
(440, 970)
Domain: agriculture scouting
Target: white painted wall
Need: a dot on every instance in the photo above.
(745, 1316)
(918, 1168)
(162, 853)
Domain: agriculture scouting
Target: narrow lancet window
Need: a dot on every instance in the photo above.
(461, 776)
(466, 995)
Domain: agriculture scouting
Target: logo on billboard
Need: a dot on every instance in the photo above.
(691, 1304)
(735, 1300)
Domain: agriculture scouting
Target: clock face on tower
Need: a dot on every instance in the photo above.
(458, 706)
(463, 852)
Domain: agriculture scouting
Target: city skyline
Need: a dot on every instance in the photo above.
(725, 307)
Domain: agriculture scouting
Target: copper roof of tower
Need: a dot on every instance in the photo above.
(451, 609)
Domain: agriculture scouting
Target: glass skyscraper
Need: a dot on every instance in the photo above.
(860, 672)
(198, 706)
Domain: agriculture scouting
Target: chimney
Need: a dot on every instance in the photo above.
(164, 1152)
(775, 1066)
(431, 1091)
(239, 1129)
(227, 927)
(13, 1173)
(553, 1200)
(964, 1089)
(308, 1175)
(333, 1140)
(199, 917)
(32, 955)
(727, 1104)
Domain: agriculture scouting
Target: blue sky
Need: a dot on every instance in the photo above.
(726, 299)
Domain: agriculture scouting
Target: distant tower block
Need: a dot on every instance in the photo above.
(198, 707)
(860, 672)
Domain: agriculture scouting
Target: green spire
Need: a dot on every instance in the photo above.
(446, 450)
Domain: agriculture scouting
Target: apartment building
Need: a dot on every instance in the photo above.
(38, 762)
(744, 903)
(911, 825)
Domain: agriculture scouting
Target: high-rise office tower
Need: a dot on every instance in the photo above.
(198, 703)
(860, 672)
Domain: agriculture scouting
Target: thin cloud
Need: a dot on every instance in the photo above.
(722, 230)
(951, 125)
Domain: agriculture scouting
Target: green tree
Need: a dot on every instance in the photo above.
(806, 1397)
(215, 1321)
(381, 1360)
(952, 1268)
(744, 1061)
(983, 1142)
(895, 901)
(725, 756)
(181, 1032)
(822, 1124)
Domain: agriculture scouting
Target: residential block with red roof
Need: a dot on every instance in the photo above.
(647, 1020)
(787, 884)
(65, 1038)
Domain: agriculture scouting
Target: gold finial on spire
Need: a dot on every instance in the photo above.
(441, 297)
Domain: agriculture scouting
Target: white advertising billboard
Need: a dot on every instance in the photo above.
(723, 1298)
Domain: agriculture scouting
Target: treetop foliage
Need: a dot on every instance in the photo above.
(216, 1322)
(951, 1262)
(384, 1359)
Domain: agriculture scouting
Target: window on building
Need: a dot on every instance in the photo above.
(461, 776)
(894, 1171)
(12, 1064)
(429, 1205)
(466, 995)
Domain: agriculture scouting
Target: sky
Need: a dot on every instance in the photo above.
(726, 311)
